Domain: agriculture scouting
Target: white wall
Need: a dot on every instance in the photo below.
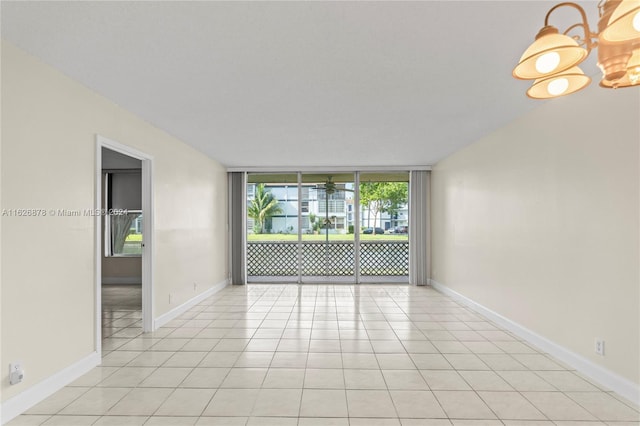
(121, 270)
(49, 127)
(1, 237)
(539, 222)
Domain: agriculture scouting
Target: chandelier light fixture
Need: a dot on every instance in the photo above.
(553, 58)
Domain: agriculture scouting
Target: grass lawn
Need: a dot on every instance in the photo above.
(322, 237)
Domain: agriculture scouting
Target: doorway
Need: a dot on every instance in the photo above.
(124, 231)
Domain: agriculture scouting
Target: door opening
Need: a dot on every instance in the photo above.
(124, 231)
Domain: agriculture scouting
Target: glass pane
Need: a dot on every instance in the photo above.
(126, 234)
(327, 231)
(272, 226)
(384, 222)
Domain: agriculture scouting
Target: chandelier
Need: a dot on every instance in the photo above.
(553, 58)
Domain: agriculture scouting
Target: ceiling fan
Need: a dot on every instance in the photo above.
(330, 187)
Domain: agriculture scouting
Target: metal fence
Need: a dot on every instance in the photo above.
(280, 258)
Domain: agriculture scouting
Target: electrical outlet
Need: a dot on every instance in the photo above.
(195, 286)
(600, 347)
(16, 373)
(170, 298)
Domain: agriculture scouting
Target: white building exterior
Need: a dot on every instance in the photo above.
(340, 206)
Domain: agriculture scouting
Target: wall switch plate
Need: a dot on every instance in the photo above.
(16, 373)
(600, 347)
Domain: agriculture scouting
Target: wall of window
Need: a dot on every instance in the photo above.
(313, 227)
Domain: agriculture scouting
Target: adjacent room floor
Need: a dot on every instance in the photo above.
(343, 355)
(121, 308)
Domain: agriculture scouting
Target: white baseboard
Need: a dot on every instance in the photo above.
(122, 280)
(601, 375)
(179, 310)
(20, 403)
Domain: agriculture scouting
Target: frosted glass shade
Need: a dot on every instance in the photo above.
(550, 48)
(560, 84)
(624, 24)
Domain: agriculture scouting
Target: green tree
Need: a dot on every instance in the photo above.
(262, 207)
(396, 195)
(315, 223)
(379, 197)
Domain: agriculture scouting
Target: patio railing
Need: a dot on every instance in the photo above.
(280, 258)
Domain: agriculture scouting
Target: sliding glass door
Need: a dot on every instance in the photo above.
(273, 219)
(327, 242)
(327, 227)
(384, 217)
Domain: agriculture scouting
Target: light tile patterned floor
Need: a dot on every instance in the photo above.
(343, 355)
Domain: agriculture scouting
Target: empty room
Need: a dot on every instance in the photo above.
(336, 213)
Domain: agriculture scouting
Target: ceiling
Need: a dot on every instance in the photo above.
(113, 160)
(299, 84)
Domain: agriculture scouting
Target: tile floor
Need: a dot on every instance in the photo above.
(343, 355)
(121, 308)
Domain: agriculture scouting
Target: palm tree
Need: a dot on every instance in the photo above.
(262, 207)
